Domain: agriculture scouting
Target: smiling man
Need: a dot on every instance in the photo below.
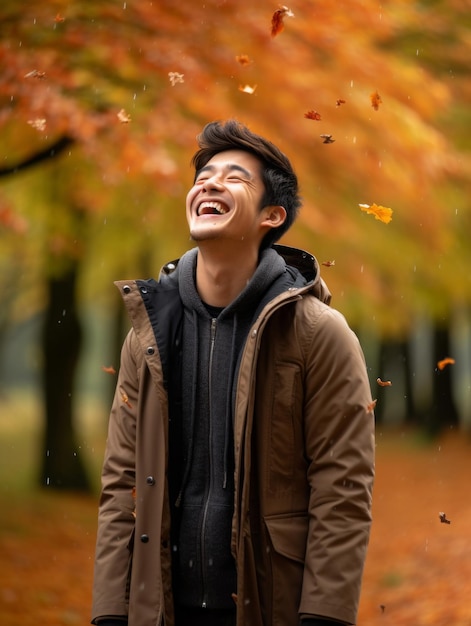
(237, 480)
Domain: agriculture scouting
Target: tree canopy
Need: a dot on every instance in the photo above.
(100, 104)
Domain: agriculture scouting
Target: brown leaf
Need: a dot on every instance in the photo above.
(375, 100)
(327, 138)
(278, 16)
(328, 263)
(313, 115)
(383, 383)
(339, 102)
(443, 518)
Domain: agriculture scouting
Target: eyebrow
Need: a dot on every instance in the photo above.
(230, 167)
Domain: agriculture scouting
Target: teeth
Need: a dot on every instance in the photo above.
(214, 206)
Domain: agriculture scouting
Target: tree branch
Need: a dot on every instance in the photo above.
(48, 153)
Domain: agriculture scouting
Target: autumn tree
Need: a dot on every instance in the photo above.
(123, 89)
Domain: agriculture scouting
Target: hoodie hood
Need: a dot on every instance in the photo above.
(302, 270)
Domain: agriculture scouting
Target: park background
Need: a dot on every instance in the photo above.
(100, 106)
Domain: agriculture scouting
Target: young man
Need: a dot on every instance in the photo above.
(239, 463)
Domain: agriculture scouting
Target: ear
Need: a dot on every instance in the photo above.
(273, 216)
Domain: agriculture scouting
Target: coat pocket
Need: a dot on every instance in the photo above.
(288, 536)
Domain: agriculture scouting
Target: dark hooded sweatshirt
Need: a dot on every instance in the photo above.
(212, 342)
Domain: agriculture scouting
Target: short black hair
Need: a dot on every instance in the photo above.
(281, 183)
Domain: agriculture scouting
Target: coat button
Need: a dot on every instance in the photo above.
(150, 480)
(145, 538)
(127, 289)
(150, 350)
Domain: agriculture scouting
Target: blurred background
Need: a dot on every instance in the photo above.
(100, 105)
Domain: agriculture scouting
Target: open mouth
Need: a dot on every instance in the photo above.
(211, 208)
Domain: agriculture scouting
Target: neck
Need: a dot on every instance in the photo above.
(220, 277)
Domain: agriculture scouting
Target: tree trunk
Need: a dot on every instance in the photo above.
(62, 464)
(443, 413)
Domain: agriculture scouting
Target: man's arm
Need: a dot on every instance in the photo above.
(339, 439)
(116, 519)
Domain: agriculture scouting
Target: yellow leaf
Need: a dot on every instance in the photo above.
(381, 213)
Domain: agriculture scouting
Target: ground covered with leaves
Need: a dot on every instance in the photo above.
(418, 571)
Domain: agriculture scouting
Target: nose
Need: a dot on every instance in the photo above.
(212, 182)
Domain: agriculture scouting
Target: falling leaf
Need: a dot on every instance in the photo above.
(35, 74)
(175, 77)
(382, 607)
(278, 16)
(313, 115)
(383, 383)
(125, 399)
(59, 18)
(444, 362)
(247, 88)
(38, 124)
(370, 407)
(243, 59)
(443, 518)
(109, 369)
(328, 263)
(327, 138)
(123, 117)
(375, 100)
(339, 102)
(381, 213)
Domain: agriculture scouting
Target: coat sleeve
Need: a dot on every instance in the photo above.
(115, 515)
(339, 440)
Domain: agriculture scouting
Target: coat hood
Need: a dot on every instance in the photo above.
(303, 267)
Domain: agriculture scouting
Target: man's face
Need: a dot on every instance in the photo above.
(225, 200)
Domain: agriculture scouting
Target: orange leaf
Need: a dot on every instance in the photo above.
(278, 16)
(243, 59)
(381, 213)
(247, 89)
(444, 362)
(125, 399)
(328, 263)
(313, 115)
(370, 407)
(175, 77)
(383, 383)
(109, 369)
(35, 74)
(38, 124)
(375, 100)
(123, 117)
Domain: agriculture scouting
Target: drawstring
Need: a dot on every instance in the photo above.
(230, 382)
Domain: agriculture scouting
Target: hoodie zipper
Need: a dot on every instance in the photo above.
(210, 452)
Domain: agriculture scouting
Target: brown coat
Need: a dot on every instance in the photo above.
(304, 455)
